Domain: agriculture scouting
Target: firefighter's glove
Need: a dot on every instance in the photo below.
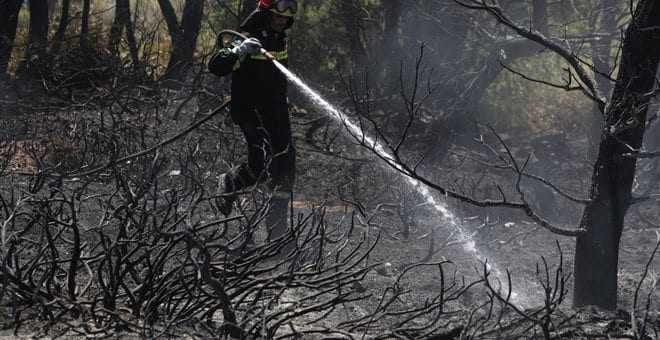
(249, 46)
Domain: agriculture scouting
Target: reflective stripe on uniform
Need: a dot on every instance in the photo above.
(281, 55)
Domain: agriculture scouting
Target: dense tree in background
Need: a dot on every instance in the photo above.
(183, 35)
(8, 21)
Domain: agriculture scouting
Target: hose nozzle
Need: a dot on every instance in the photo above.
(229, 37)
(267, 54)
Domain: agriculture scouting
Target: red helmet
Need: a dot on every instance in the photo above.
(287, 8)
(265, 3)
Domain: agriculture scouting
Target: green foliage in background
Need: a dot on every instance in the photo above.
(518, 103)
(321, 51)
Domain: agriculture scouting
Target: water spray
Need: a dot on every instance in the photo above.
(469, 245)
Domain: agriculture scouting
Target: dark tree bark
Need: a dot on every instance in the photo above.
(84, 25)
(602, 50)
(170, 15)
(190, 25)
(597, 251)
(122, 21)
(184, 36)
(130, 36)
(61, 27)
(38, 36)
(117, 28)
(8, 21)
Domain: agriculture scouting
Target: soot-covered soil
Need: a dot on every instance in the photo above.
(425, 267)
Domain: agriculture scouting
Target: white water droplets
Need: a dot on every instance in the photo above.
(469, 245)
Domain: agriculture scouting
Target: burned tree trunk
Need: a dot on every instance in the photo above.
(8, 21)
(184, 36)
(116, 28)
(84, 26)
(602, 50)
(38, 36)
(191, 23)
(130, 35)
(596, 254)
(122, 21)
(61, 28)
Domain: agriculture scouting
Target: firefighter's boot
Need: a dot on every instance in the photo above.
(278, 223)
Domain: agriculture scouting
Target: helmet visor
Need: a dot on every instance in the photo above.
(287, 8)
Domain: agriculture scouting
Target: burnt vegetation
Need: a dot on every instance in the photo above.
(533, 122)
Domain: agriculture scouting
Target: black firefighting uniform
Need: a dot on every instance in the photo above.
(259, 106)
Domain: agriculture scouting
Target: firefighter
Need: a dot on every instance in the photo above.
(259, 106)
